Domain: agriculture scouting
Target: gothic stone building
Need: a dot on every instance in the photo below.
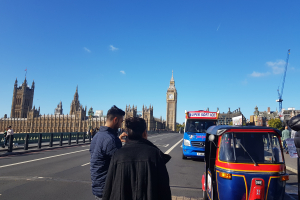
(25, 119)
(288, 114)
(226, 118)
(22, 100)
(147, 114)
(261, 118)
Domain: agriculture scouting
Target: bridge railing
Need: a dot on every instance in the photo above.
(27, 139)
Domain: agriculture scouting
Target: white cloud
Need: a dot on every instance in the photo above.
(123, 72)
(258, 74)
(87, 50)
(112, 48)
(277, 67)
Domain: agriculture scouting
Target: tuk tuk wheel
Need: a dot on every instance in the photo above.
(204, 195)
(184, 157)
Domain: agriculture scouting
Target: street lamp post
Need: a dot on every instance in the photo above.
(90, 120)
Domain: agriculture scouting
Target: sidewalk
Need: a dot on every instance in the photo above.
(291, 163)
(291, 188)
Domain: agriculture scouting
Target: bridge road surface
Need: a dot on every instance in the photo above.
(65, 173)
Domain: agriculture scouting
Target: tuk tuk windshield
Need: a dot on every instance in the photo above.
(250, 147)
(198, 126)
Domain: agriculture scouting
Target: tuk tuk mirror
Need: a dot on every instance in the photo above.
(211, 138)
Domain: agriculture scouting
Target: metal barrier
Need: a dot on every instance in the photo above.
(39, 138)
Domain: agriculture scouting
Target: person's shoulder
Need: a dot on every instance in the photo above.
(102, 135)
(145, 147)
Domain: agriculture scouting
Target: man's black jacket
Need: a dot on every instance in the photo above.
(138, 172)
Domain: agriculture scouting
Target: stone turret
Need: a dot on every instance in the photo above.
(22, 100)
(58, 110)
(76, 108)
(130, 112)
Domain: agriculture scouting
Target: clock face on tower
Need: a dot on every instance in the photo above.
(171, 96)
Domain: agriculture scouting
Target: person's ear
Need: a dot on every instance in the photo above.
(115, 120)
(145, 134)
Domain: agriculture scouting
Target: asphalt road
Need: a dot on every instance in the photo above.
(64, 173)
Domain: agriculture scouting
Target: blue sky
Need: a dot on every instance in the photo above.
(223, 53)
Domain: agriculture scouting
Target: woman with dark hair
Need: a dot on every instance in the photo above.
(138, 170)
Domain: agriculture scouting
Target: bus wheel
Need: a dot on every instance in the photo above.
(184, 157)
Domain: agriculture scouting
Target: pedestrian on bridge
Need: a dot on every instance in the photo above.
(286, 134)
(104, 144)
(138, 170)
(10, 135)
(4, 138)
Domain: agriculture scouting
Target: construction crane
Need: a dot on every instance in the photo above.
(280, 93)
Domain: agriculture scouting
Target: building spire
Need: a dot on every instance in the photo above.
(172, 79)
(76, 96)
(33, 85)
(16, 83)
(25, 82)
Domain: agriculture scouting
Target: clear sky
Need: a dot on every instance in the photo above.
(223, 53)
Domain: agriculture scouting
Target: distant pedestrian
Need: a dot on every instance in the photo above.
(10, 134)
(286, 134)
(103, 146)
(94, 132)
(138, 170)
(4, 138)
(267, 141)
(293, 132)
(88, 133)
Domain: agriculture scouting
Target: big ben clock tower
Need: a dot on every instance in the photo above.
(171, 105)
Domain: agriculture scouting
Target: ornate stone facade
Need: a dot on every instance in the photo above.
(58, 110)
(22, 99)
(171, 105)
(261, 118)
(147, 114)
(288, 114)
(76, 108)
(226, 118)
(32, 122)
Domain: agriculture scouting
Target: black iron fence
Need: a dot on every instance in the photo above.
(40, 139)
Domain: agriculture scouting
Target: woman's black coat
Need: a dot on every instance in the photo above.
(138, 171)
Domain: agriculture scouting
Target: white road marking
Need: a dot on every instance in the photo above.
(85, 164)
(169, 150)
(19, 163)
(162, 145)
(40, 177)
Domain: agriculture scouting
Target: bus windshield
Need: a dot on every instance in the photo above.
(250, 147)
(199, 126)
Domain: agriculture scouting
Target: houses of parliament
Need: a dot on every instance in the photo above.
(27, 119)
